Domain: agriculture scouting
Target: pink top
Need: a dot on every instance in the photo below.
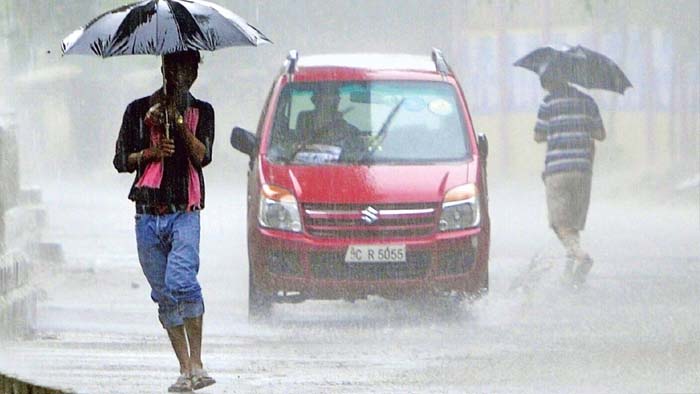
(153, 174)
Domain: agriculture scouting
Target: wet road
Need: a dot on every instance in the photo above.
(633, 328)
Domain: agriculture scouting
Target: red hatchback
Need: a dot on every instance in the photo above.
(366, 178)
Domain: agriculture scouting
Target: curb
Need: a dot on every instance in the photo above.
(25, 260)
(10, 385)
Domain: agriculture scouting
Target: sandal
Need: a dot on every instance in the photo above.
(201, 379)
(182, 385)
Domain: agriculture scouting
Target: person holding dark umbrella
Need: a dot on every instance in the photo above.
(166, 138)
(569, 122)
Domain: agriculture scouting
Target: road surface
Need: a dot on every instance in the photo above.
(633, 328)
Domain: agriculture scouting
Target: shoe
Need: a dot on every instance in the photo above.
(201, 379)
(582, 269)
(182, 385)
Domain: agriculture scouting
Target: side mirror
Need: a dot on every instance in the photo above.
(483, 144)
(244, 141)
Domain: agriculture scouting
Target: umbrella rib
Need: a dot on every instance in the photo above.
(196, 34)
(175, 21)
(155, 42)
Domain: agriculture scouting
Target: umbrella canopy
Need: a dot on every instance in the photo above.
(159, 27)
(578, 65)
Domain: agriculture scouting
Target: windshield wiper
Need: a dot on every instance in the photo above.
(385, 126)
(381, 135)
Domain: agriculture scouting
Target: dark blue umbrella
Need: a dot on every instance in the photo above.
(159, 27)
(578, 65)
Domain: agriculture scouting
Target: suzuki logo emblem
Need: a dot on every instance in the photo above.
(370, 215)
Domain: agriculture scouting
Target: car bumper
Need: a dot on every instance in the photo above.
(315, 268)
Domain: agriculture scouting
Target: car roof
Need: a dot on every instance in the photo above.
(370, 61)
(365, 66)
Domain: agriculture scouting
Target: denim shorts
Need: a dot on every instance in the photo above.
(168, 248)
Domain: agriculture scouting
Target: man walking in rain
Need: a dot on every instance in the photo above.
(168, 192)
(569, 120)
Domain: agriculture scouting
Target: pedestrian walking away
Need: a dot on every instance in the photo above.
(569, 121)
(166, 139)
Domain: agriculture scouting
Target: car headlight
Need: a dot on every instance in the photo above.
(278, 209)
(460, 208)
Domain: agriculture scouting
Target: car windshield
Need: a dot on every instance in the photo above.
(387, 122)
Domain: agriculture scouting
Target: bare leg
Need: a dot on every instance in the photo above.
(200, 378)
(570, 239)
(178, 339)
(193, 327)
(578, 261)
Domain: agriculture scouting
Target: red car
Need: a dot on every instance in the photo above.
(366, 178)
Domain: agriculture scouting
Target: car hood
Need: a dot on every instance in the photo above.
(369, 184)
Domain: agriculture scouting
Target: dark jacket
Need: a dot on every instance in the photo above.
(134, 136)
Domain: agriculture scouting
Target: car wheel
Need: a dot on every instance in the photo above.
(259, 302)
(481, 291)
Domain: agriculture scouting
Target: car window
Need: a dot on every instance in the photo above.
(373, 122)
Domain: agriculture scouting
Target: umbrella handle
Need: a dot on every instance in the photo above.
(165, 93)
(167, 126)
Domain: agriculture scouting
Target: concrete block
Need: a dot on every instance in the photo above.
(29, 196)
(23, 225)
(12, 385)
(50, 252)
(18, 312)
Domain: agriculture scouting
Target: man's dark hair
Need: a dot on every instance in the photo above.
(191, 57)
(325, 90)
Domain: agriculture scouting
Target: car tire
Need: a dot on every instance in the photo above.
(259, 302)
(482, 291)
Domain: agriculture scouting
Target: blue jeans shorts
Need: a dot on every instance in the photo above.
(168, 248)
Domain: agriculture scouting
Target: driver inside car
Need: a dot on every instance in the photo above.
(326, 125)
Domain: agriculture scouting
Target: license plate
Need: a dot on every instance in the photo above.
(376, 254)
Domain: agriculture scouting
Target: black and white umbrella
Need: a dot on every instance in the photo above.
(159, 27)
(578, 65)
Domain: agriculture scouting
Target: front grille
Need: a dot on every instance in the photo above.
(370, 220)
(332, 265)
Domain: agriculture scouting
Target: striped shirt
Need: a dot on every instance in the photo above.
(568, 120)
